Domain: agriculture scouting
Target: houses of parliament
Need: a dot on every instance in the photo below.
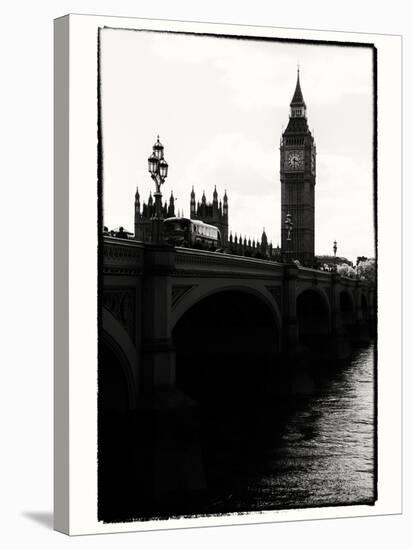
(297, 179)
(214, 213)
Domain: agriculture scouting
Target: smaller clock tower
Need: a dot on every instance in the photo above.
(298, 178)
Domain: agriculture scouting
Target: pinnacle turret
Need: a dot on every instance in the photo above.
(298, 105)
(298, 96)
(171, 208)
(137, 200)
(264, 238)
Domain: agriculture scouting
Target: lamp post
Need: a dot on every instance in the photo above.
(288, 227)
(335, 248)
(158, 168)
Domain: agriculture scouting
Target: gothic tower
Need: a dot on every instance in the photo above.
(192, 203)
(143, 216)
(298, 178)
(213, 212)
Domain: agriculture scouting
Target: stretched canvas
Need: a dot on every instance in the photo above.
(227, 320)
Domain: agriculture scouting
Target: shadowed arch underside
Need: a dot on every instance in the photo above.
(313, 317)
(347, 308)
(227, 354)
(224, 343)
(115, 427)
(364, 307)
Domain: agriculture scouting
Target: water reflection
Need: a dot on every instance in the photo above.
(325, 452)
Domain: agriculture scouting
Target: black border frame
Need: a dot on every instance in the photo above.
(100, 178)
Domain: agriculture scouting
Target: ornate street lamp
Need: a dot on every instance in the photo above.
(153, 164)
(163, 168)
(335, 248)
(158, 149)
(288, 227)
(158, 169)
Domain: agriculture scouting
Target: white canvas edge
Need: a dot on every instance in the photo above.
(76, 348)
(61, 274)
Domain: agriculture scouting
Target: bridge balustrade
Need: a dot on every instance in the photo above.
(187, 259)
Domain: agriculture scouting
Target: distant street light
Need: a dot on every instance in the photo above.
(335, 248)
(158, 169)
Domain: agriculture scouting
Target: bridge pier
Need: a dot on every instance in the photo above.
(290, 321)
(172, 462)
(362, 329)
(158, 358)
(372, 311)
(336, 316)
(341, 347)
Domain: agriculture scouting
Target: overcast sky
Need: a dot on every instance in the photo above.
(219, 106)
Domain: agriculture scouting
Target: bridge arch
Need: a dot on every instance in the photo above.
(347, 307)
(201, 292)
(226, 343)
(364, 307)
(320, 292)
(117, 399)
(313, 313)
(117, 359)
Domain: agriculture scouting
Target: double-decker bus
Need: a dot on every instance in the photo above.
(191, 233)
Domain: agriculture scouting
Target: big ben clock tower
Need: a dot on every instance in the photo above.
(298, 176)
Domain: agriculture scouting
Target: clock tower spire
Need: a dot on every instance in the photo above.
(298, 178)
(298, 105)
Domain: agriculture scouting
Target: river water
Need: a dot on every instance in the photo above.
(322, 453)
(308, 441)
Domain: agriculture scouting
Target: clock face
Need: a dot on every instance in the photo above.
(294, 160)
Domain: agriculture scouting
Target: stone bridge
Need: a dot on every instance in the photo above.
(159, 303)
